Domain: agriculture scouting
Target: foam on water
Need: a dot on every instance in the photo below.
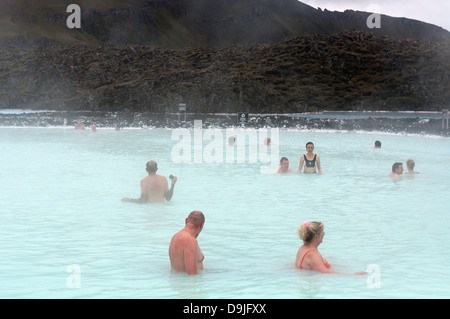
(391, 122)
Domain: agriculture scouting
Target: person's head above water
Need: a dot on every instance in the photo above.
(196, 219)
(397, 168)
(151, 167)
(194, 223)
(308, 230)
(308, 257)
(410, 164)
(310, 146)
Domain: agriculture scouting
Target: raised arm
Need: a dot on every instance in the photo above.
(168, 193)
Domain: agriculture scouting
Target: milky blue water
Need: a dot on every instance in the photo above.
(64, 232)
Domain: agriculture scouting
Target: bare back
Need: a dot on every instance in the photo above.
(302, 254)
(185, 254)
(153, 188)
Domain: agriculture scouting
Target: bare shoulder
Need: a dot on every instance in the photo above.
(161, 178)
(144, 181)
(184, 238)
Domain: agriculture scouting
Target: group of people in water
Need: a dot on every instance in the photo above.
(184, 252)
(80, 126)
(397, 168)
(310, 163)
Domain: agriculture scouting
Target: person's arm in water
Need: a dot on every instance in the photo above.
(318, 165)
(300, 165)
(168, 193)
(142, 199)
(135, 200)
(316, 263)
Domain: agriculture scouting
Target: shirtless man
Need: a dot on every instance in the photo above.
(284, 167)
(154, 188)
(309, 161)
(397, 170)
(184, 253)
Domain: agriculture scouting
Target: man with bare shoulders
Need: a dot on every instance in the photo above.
(184, 253)
(284, 167)
(154, 187)
(397, 170)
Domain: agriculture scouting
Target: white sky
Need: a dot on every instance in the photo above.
(436, 12)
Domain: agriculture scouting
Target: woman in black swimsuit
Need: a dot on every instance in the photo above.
(309, 161)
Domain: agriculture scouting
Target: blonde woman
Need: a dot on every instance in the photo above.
(410, 166)
(308, 257)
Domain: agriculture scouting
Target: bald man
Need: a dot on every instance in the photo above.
(184, 253)
(154, 187)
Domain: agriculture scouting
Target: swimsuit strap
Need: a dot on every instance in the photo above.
(314, 158)
(301, 262)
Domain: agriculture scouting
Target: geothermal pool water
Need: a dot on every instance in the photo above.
(66, 234)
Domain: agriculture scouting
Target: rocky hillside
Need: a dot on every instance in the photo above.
(181, 24)
(344, 71)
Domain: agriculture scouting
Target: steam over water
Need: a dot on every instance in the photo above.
(65, 232)
(389, 122)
